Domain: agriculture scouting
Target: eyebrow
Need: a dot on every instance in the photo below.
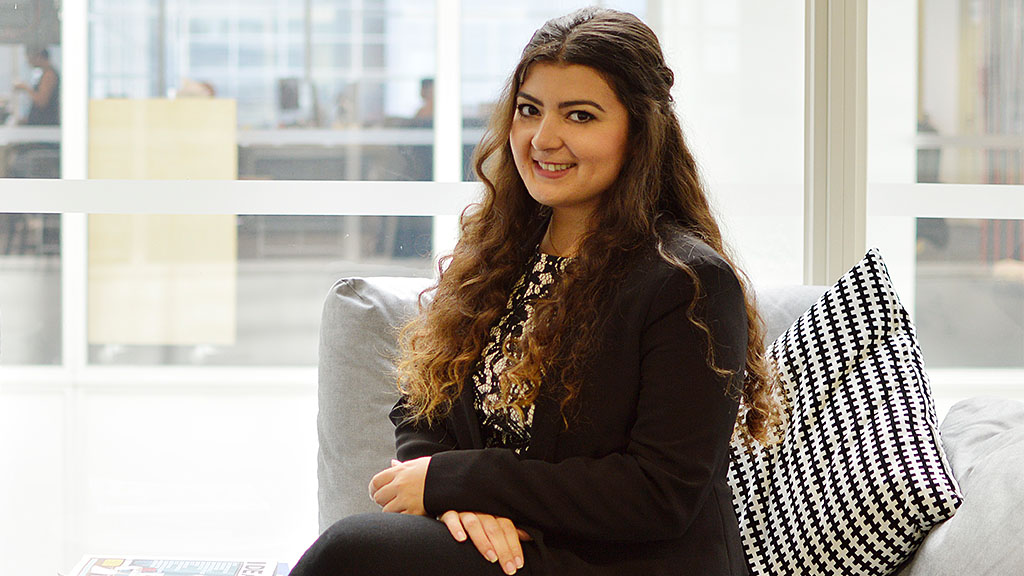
(568, 104)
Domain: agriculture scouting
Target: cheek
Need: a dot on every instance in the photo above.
(614, 154)
(519, 155)
(514, 142)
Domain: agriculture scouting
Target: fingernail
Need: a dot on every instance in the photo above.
(519, 562)
(460, 536)
(510, 568)
(491, 556)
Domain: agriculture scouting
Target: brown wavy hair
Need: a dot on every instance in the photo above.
(657, 193)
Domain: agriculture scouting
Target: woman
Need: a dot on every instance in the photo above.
(570, 393)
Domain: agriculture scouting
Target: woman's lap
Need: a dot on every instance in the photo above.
(396, 544)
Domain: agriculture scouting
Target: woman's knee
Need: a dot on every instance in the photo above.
(368, 544)
(344, 547)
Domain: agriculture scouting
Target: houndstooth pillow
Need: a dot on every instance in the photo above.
(860, 477)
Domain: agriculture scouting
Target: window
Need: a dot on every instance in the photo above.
(948, 145)
(332, 93)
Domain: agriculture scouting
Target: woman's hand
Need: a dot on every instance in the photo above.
(495, 537)
(400, 487)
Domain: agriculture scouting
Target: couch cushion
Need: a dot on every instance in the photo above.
(984, 441)
(860, 477)
(357, 389)
(780, 306)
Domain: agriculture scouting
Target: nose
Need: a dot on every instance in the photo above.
(547, 136)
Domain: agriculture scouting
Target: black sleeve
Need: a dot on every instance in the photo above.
(414, 440)
(677, 445)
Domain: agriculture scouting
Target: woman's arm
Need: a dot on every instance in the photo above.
(416, 439)
(400, 489)
(677, 446)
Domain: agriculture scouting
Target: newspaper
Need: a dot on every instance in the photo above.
(151, 566)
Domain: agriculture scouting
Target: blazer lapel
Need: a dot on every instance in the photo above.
(547, 422)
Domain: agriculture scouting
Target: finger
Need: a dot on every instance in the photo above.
(524, 536)
(396, 505)
(385, 495)
(454, 524)
(475, 530)
(381, 478)
(515, 548)
(496, 533)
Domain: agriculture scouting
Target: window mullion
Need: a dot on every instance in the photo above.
(447, 113)
(836, 138)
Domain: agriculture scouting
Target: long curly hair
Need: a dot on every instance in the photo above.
(657, 193)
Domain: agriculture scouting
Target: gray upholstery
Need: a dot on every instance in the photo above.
(780, 306)
(357, 344)
(356, 388)
(984, 441)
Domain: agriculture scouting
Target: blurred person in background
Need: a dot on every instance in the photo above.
(45, 89)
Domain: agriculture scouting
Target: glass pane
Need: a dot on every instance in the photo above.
(951, 112)
(30, 292)
(970, 292)
(30, 259)
(280, 90)
(971, 118)
(250, 293)
(345, 76)
(969, 296)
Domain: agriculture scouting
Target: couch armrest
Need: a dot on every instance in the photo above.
(356, 390)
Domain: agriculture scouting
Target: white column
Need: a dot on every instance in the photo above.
(448, 115)
(836, 138)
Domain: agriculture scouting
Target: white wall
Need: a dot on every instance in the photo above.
(199, 469)
(33, 429)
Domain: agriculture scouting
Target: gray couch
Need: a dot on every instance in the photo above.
(983, 437)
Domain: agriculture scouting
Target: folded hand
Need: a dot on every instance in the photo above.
(400, 487)
(495, 537)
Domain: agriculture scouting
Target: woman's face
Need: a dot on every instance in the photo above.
(569, 136)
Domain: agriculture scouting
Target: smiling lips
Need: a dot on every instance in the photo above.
(551, 169)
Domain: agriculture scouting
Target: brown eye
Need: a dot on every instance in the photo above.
(527, 110)
(581, 116)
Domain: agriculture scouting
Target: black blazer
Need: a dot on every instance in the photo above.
(637, 484)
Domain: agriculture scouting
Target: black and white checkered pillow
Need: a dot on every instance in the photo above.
(860, 476)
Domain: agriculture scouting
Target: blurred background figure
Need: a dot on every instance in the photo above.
(45, 88)
(426, 111)
(194, 89)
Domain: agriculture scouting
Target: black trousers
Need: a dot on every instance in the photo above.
(400, 544)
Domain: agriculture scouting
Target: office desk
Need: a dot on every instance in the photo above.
(39, 147)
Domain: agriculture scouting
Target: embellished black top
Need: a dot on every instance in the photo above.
(508, 427)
